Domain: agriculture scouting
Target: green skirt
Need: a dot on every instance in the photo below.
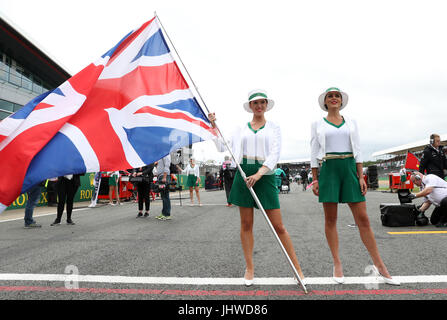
(265, 189)
(338, 181)
(113, 180)
(191, 181)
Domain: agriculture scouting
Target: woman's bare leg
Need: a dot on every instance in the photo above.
(247, 239)
(330, 228)
(275, 218)
(366, 234)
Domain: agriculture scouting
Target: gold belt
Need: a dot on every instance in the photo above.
(337, 156)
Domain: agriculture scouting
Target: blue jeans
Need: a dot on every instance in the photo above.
(166, 211)
(33, 199)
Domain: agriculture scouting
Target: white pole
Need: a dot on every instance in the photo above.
(255, 197)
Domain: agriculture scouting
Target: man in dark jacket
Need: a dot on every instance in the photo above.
(433, 160)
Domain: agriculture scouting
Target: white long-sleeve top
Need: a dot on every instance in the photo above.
(190, 170)
(264, 145)
(163, 166)
(318, 140)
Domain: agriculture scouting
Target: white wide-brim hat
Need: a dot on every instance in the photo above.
(322, 97)
(257, 95)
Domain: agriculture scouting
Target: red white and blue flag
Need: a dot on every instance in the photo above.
(128, 109)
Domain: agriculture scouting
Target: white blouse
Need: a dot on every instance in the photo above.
(190, 170)
(337, 138)
(318, 140)
(263, 145)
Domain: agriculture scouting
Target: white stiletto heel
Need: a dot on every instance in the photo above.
(339, 280)
(248, 282)
(385, 279)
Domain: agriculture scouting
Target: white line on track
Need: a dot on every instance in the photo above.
(210, 281)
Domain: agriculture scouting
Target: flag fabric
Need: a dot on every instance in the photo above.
(412, 162)
(129, 108)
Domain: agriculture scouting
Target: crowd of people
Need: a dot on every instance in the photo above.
(335, 176)
(156, 176)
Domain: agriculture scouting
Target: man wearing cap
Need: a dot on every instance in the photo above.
(434, 191)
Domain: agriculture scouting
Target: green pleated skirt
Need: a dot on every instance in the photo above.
(338, 181)
(191, 181)
(265, 189)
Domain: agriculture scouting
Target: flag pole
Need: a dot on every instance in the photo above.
(189, 76)
(255, 197)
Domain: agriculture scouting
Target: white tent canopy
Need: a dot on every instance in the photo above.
(412, 147)
(303, 160)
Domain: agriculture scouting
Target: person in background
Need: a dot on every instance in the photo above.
(143, 188)
(433, 159)
(335, 142)
(33, 198)
(227, 172)
(279, 174)
(434, 191)
(66, 186)
(163, 180)
(193, 179)
(403, 176)
(114, 186)
(304, 177)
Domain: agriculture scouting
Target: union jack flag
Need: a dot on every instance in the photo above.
(130, 108)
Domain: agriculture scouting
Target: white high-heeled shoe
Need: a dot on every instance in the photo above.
(385, 279)
(339, 280)
(248, 282)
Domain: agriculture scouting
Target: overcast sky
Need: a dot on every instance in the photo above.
(389, 56)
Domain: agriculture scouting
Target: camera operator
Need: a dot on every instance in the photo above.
(434, 190)
(143, 188)
(163, 179)
(433, 159)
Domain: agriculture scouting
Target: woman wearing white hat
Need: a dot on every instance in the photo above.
(257, 146)
(335, 142)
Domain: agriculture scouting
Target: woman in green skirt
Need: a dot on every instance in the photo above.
(192, 179)
(256, 146)
(335, 142)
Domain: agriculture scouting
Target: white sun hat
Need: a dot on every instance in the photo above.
(257, 95)
(344, 98)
